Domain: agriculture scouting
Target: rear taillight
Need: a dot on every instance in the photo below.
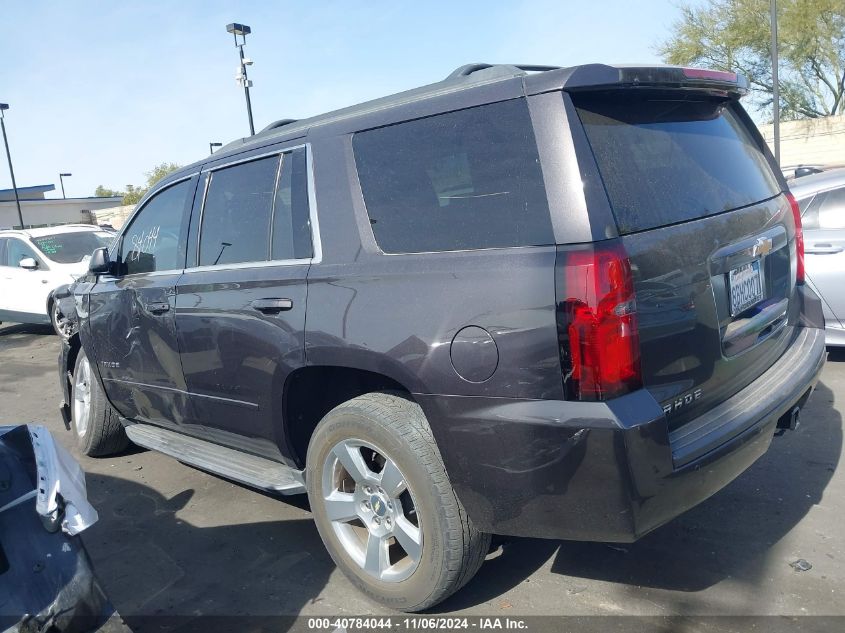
(799, 239)
(597, 322)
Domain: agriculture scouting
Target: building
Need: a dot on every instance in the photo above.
(810, 141)
(114, 217)
(40, 211)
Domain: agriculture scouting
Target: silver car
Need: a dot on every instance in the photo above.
(822, 201)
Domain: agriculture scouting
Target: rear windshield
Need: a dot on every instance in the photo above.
(70, 248)
(666, 161)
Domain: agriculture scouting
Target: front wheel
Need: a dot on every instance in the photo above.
(96, 424)
(384, 506)
(62, 326)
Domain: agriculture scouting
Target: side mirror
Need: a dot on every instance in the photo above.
(29, 263)
(99, 262)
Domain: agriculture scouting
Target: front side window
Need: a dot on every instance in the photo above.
(462, 180)
(154, 241)
(16, 250)
(237, 212)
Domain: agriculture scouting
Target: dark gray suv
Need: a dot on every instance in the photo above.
(553, 302)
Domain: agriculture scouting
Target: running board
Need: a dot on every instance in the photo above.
(251, 470)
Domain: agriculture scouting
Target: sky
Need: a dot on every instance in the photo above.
(108, 90)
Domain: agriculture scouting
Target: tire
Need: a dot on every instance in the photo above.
(423, 547)
(95, 423)
(61, 325)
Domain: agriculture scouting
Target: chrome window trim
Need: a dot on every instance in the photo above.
(316, 242)
(246, 265)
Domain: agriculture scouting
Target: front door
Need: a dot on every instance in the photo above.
(240, 312)
(25, 291)
(824, 248)
(131, 325)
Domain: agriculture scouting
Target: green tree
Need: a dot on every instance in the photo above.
(133, 194)
(102, 192)
(735, 35)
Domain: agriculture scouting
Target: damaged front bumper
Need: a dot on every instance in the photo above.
(46, 580)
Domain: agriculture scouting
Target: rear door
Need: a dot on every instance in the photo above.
(709, 235)
(824, 240)
(240, 308)
(131, 327)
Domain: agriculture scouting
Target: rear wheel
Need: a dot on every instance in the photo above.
(96, 424)
(384, 506)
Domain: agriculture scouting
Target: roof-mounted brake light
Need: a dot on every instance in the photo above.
(715, 75)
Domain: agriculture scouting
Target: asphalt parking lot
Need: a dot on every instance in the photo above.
(173, 540)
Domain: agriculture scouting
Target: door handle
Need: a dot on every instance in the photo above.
(272, 306)
(824, 249)
(157, 308)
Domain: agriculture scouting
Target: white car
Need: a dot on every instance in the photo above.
(34, 262)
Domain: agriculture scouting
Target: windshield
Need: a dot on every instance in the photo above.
(668, 160)
(70, 248)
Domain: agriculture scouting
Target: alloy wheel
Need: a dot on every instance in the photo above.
(372, 510)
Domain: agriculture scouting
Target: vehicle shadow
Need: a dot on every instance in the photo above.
(25, 328)
(730, 534)
(161, 572)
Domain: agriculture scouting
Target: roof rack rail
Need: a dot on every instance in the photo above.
(467, 69)
(278, 124)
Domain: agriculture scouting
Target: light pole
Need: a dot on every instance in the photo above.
(61, 180)
(211, 147)
(243, 80)
(3, 108)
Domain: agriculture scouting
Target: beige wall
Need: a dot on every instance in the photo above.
(52, 211)
(810, 141)
(115, 216)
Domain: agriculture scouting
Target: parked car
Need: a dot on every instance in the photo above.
(821, 198)
(794, 172)
(34, 262)
(422, 311)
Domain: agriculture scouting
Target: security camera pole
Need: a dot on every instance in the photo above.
(243, 80)
(3, 108)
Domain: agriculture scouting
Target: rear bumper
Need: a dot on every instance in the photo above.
(608, 471)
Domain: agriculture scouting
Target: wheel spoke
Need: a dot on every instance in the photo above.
(392, 481)
(409, 537)
(353, 462)
(341, 506)
(376, 559)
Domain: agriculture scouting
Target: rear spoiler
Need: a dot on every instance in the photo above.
(603, 77)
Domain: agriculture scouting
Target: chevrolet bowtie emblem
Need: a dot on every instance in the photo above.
(762, 246)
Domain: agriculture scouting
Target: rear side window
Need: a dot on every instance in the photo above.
(827, 211)
(463, 180)
(291, 238)
(665, 161)
(236, 216)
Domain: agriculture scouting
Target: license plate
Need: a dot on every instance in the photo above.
(746, 287)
